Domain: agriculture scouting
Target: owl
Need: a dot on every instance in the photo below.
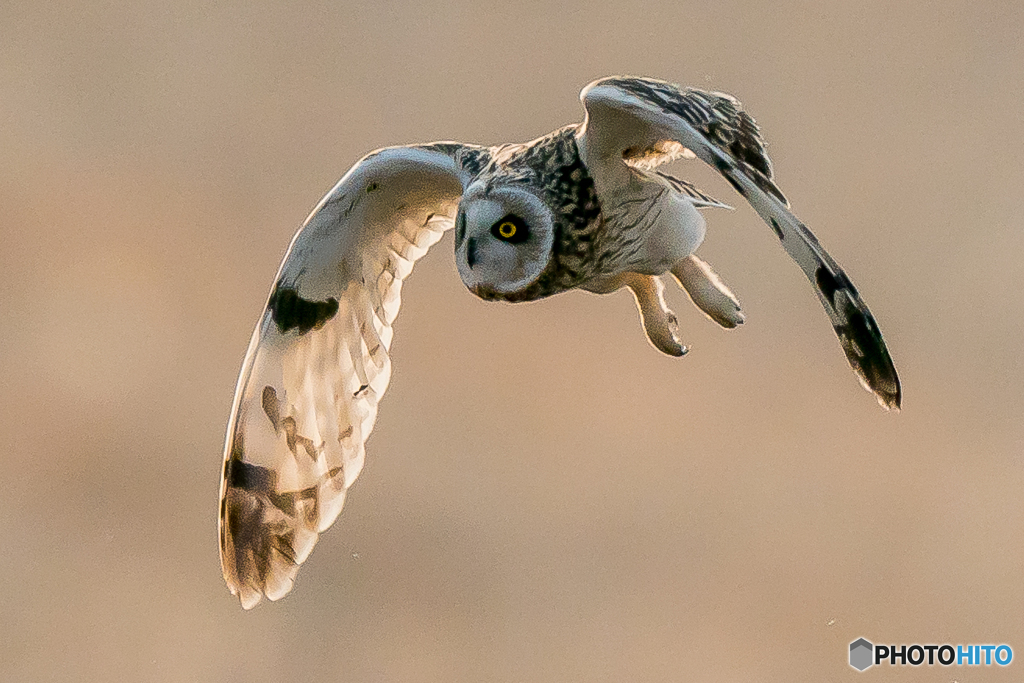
(581, 208)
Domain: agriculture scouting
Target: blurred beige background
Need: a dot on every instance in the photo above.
(546, 497)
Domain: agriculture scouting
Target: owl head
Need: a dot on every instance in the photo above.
(504, 235)
(528, 226)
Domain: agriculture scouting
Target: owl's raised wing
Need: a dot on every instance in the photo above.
(627, 116)
(318, 361)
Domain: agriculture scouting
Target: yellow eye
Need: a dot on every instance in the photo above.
(511, 229)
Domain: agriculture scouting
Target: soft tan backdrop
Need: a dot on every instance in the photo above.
(546, 497)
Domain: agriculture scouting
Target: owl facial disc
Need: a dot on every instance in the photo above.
(503, 238)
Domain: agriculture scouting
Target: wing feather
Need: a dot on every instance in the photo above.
(629, 114)
(318, 362)
(701, 199)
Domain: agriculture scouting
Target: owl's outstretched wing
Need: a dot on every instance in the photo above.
(318, 361)
(626, 116)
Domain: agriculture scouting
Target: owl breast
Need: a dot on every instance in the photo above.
(650, 226)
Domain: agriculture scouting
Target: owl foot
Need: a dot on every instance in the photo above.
(708, 292)
(659, 322)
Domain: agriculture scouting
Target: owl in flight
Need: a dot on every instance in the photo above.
(581, 208)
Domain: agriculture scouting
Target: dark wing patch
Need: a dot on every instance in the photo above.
(830, 283)
(249, 477)
(290, 311)
(859, 337)
(268, 533)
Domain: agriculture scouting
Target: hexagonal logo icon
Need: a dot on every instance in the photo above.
(861, 654)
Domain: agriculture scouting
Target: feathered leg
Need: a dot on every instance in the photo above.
(658, 320)
(708, 292)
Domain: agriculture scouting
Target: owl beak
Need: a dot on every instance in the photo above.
(471, 255)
